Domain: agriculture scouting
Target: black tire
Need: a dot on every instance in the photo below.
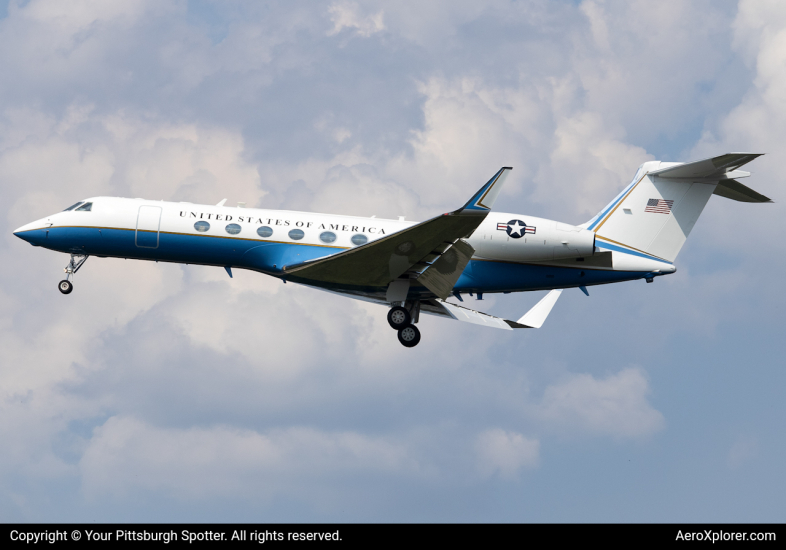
(65, 287)
(398, 318)
(409, 336)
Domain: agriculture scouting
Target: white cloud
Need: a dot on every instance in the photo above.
(79, 14)
(757, 123)
(126, 455)
(505, 453)
(616, 405)
(347, 15)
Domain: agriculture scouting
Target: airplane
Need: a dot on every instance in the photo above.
(410, 267)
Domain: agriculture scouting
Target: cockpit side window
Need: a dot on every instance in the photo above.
(87, 207)
(72, 206)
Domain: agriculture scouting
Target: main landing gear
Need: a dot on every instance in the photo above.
(66, 286)
(402, 319)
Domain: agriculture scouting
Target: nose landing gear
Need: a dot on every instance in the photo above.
(66, 286)
(402, 319)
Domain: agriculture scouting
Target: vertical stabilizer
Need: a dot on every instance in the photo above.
(656, 212)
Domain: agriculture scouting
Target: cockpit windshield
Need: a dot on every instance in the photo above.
(87, 207)
(72, 206)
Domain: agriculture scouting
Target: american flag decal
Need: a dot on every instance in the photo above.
(659, 206)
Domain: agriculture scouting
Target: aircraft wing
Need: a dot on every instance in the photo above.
(434, 243)
(715, 168)
(534, 318)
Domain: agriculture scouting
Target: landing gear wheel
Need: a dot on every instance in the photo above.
(399, 317)
(65, 287)
(409, 336)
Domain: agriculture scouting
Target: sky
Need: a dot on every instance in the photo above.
(161, 392)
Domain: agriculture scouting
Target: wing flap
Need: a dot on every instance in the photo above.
(441, 276)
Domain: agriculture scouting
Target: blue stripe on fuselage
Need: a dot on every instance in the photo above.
(266, 256)
(495, 276)
(177, 247)
(600, 243)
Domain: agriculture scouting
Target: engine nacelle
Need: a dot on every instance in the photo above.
(524, 238)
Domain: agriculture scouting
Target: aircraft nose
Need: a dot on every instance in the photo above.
(27, 231)
(21, 233)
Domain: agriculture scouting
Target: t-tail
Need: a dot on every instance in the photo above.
(655, 213)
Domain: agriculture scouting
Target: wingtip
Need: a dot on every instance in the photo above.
(536, 316)
(483, 200)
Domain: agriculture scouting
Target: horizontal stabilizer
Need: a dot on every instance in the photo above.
(734, 190)
(713, 168)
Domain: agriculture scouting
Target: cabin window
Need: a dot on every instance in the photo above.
(233, 228)
(201, 226)
(359, 239)
(72, 206)
(264, 232)
(327, 237)
(296, 234)
(87, 207)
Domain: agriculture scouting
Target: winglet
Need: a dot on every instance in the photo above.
(483, 200)
(535, 317)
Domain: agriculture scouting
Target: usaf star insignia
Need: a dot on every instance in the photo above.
(516, 228)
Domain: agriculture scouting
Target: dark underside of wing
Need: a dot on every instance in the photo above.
(379, 262)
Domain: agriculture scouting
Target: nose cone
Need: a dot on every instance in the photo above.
(31, 232)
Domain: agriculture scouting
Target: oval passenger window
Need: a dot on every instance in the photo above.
(233, 229)
(359, 239)
(327, 237)
(201, 226)
(264, 231)
(296, 234)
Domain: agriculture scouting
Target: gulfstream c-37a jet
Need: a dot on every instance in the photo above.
(414, 268)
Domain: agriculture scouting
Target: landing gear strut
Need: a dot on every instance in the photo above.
(66, 286)
(402, 319)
